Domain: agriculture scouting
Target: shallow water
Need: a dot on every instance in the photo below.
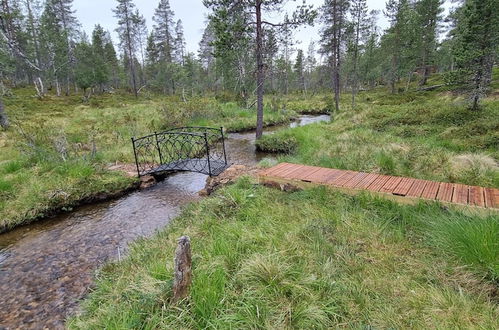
(48, 266)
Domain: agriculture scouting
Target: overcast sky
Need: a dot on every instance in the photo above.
(193, 15)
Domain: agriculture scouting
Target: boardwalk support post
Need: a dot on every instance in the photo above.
(183, 269)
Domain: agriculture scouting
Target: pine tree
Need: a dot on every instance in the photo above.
(85, 73)
(163, 29)
(179, 43)
(428, 18)
(299, 68)
(397, 12)
(246, 10)
(335, 21)
(358, 12)
(126, 29)
(101, 69)
(475, 49)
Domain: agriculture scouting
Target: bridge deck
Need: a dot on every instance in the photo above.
(399, 188)
(192, 164)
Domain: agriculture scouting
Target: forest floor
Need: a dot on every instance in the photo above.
(319, 259)
(59, 150)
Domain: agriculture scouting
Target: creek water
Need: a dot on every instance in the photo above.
(47, 267)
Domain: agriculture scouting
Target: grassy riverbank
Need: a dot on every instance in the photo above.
(58, 149)
(310, 259)
(320, 259)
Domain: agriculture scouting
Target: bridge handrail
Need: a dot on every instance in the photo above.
(175, 131)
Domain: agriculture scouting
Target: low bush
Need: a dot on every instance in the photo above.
(277, 143)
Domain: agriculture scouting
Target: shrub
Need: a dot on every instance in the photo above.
(277, 143)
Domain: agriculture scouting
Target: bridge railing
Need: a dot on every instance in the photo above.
(195, 149)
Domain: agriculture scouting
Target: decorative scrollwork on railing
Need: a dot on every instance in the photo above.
(194, 149)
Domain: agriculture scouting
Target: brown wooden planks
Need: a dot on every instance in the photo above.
(287, 171)
(365, 182)
(403, 187)
(274, 169)
(491, 197)
(318, 175)
(303, 172)
(477, 196)
(391, 184)
(378, 183)
(355, 180)
(442, 191)
(430, 190)
(333, 176)
(341, 180)
(445, 192)
(417, 188)
(461, 193)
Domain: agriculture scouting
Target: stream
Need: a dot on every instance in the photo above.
(47, 267)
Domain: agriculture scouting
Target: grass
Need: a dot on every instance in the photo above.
(58, 149)
(309, 259)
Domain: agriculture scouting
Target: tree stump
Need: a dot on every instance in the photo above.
(183, 269)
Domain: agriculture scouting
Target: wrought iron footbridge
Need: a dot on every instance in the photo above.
(194, 149)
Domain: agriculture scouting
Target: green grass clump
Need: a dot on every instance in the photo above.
(310, 259)
(281, 143)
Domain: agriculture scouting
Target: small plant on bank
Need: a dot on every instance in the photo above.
(277, 143)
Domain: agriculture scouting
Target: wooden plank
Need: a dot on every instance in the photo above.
(430, 190)
(477, 196)
(278, 169)
(445, 192)
(341, 180)
(417, 188)
(307, 172)
(364, 183)
(356, 179)
(403, 187)
(333, 176)
(274, 169)
(391, 184)
(461, 193)
(378, 183)
(287, 171)
(491, 197)
(319, 175)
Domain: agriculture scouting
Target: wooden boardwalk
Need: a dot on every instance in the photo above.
(402, 189)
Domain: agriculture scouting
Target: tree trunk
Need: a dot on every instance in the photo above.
(259, 73)
(183, 269)
(4, 121)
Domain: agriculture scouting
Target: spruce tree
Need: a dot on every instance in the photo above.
(475, 48)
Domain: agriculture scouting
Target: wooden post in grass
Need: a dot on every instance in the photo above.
(183, 269)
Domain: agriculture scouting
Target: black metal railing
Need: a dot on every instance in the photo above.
(194, 149)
